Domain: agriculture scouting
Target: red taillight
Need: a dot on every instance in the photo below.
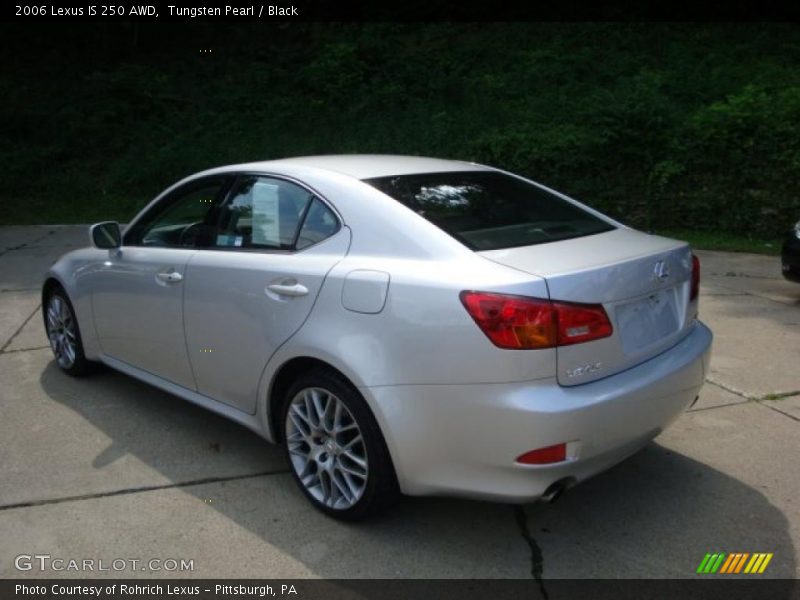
(695, 289)
(581, 323)
(544, 456)
(513, 321)
(522, 323)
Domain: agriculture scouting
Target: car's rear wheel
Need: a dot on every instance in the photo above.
(64, 334)
(335, 448)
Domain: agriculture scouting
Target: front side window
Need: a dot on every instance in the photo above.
(487, 210)
(185, 218)
(262, 212)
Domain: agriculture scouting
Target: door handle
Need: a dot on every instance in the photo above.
(290, 290)
(169, 276)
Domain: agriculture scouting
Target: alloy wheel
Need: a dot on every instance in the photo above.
(61, 331)
(326, 448)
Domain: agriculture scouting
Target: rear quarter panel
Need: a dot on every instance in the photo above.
(423, 335)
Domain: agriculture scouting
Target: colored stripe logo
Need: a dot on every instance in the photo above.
(735, 563)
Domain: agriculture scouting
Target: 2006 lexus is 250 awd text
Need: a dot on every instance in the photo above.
(399, 324)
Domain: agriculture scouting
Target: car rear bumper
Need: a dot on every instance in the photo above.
(464, 439)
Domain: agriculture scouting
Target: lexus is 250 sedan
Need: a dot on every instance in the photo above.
(399, 324)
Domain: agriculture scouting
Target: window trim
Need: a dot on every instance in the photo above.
(232, 177)
(238, 175)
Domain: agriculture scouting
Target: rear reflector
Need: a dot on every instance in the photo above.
(544, 456)
(522, 323)
(695, 289)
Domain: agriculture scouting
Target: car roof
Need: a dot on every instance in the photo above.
(366, 166)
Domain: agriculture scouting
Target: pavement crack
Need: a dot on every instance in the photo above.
(20, 328)
(725, 295)
(758, 400)
(770, 396)
(147, 488)
(752, 294)
(537, 559)
(744, 275)
(716, 407)
(730, 389)
(27, 244)
(779, 411)
(24, 349)
(781, 395)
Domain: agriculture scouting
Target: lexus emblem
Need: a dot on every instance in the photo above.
(661, 270)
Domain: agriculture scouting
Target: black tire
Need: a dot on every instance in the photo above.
(381, 489)
(80, 366)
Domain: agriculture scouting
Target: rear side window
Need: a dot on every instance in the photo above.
(320, 223)
(486, 210)
(262, 212)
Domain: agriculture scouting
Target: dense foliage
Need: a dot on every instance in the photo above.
(681, 126)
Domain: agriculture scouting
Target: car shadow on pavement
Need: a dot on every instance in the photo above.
(655, 515)
(659, 512)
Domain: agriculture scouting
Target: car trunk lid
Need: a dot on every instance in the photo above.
(642, 281)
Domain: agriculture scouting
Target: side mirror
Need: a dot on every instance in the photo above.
(106, 235)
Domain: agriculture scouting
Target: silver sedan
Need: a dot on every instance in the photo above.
(399, 324)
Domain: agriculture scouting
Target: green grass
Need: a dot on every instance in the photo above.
(664, 125)
(713, 240)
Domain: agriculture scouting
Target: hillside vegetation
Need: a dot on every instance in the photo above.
(663, 126)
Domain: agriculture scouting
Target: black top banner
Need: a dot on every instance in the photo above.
(408, 11)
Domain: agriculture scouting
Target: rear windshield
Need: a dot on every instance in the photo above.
(486, 210)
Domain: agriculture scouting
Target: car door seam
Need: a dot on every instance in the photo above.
(183, 321)
(299, 327)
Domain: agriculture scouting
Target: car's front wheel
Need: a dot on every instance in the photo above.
(335, 448)
(64, 335)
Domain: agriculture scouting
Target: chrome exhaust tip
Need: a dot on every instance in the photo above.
(555, 490)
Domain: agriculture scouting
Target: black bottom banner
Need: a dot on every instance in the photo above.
(391, 589)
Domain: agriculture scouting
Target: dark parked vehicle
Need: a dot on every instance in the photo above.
(790, 255)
